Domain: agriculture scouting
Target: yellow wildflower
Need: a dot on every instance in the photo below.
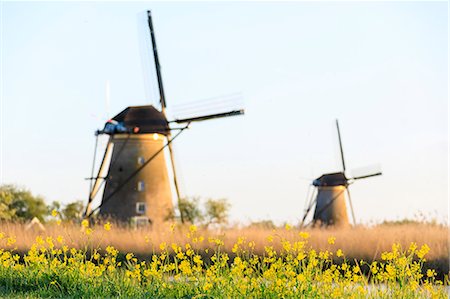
(107, 226)
(423, 251)
(207, 286)
(303, 235)
(192, 228)
(85, 223)
(11, 241)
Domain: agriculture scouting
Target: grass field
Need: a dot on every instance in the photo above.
(399, 261)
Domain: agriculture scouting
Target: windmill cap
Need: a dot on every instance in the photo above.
(147, 118)
(331, 179)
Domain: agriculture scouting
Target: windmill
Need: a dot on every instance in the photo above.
(136, 180)
(329, 194)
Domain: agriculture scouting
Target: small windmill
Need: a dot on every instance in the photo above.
(329, 195)
(136, 181)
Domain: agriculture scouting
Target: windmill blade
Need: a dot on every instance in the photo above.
(210, 116)
(366, 176)
(99, 180)
(310, 203)
(366, 172)
(351, 205)
(217, 104)
(175, 177)
(340, 145)
(162, 97)
(93, 163)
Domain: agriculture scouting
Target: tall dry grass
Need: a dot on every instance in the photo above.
(358, 242)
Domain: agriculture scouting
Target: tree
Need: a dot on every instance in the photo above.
(216, 211)
(6, 200)
(19, 204)
(189, 210)
(72, 211)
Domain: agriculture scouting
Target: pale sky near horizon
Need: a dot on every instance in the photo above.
(381, 68)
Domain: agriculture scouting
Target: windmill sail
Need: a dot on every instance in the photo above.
(157, 65)
(366, 172)
(210, 116)
(340, 146)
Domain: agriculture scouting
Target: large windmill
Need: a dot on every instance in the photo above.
(329, 195)
(136, 180)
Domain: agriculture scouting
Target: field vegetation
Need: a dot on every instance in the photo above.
(401, 261)
(69, 258)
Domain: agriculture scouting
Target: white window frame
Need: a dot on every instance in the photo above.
(140, 186)
(139, 209)
(140, 160)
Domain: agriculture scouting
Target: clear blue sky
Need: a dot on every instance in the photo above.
(381, 68)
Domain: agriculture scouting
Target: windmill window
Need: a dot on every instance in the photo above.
(141, 160)
(140, 186)
(140, 207)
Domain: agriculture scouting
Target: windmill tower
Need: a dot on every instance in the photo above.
(136, 180)
(329, 195)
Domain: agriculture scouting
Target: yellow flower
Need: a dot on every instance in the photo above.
(111, 250)
(287, 227)
(11, 241)
(339, 253)
(251, 245)
(303, 235)
(107, 226)
(431, 273)
(58, 222)
(301, 277)
(207, 286)
(129, 256)
(198, 259)
(54, 213)
(163, 246)
(192, 228)
(331, 240)
(412, 247)
(85, 223)
(423, 251)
